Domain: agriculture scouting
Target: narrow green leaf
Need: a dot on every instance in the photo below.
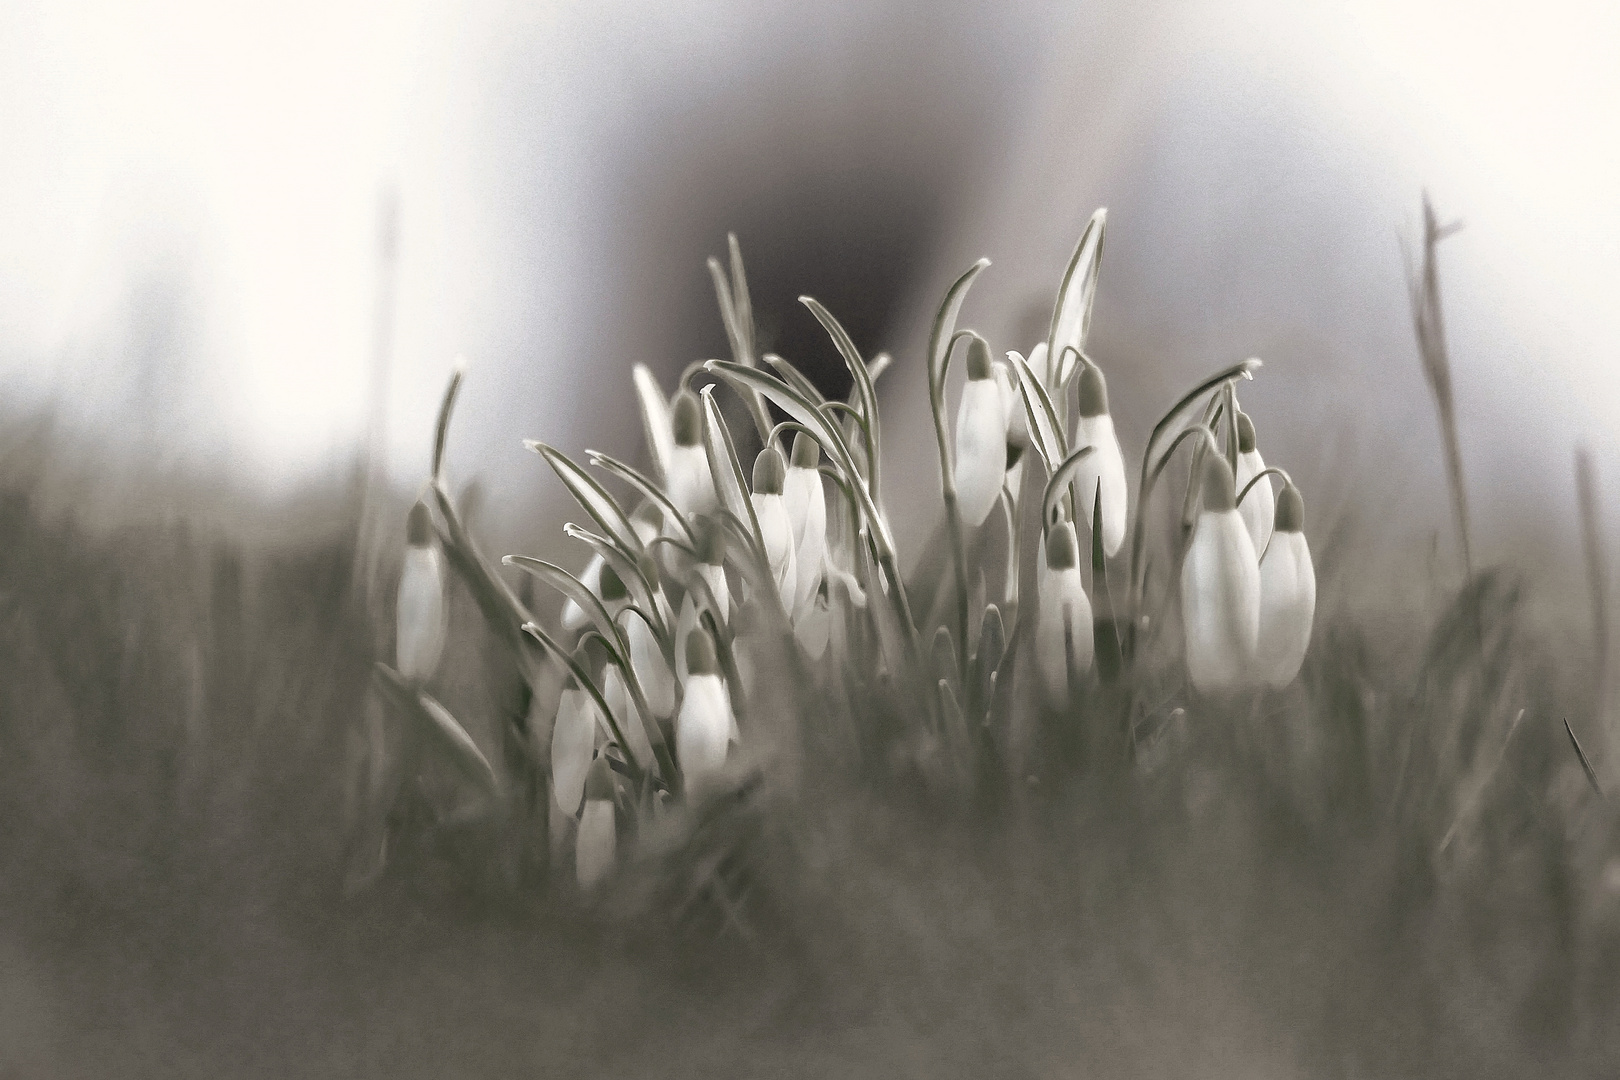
(725, 468)
(591, 495)
(441, 429)
(642, 483)
(863, 385)
(1058, 482)
(582, 677)
(740, 301)
(575, 589)
(655, 419)
(1071, 315)
(628, 569)
(1042, 416)
(440, 730)
(795, 378)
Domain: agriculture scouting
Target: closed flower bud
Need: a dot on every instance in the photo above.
(595, 848)
(1287, 594)
(1220, 588)
(623, 707)
(1104, 467)
(807, 512)
(573, 737)
(1259, 506)
(981, 438)
(711, 549)
(1063, 632)
(704, 727)
(690, 485)
(1012, 405)
(775, 526)
(423, 611)
(657, 681)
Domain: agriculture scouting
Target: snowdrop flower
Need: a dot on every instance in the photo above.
(703, 729)
(1063, 634)
(1104, 466)
(595, 846)
(615, 691)
(1012, 404)
(645, 521)
(1259, 506)
(573, 736)
(1287, 594)
(1220, 588)
(807, 511)
(981, 438)
(423, 611)
(775, 525)
(646, 657)
(711, 549)
(690, 485)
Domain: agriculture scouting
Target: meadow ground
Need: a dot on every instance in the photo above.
(1385, 871)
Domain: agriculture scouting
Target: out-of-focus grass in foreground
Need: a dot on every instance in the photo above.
(1393, 868)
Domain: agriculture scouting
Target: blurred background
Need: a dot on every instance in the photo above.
(241, 243)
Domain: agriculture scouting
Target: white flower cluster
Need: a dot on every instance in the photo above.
(800, 546)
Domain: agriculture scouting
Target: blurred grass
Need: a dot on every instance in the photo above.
(1393, 868)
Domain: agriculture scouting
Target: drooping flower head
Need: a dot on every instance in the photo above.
(981, 438)
(690, 484)
(422, 613)
(1259, 506)
(775, 526)
(1063, 633)
(574, 735)
(1287, 593)
(1220, 588)
(1104, 468)
(704, 727)
(595, 848)
(807, 511)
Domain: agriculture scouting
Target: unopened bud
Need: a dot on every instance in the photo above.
(1246, 441)
(806, 452)
(1062, 550)
(687, 419)
(700, 657)
(1093, 391)
(979, 364)
(419, 526)
(1219, 493)
(769, 472)
(1290, 510)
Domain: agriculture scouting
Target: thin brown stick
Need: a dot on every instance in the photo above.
(1429, 324)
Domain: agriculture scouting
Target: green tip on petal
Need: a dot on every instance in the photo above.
(700, 658)
(711, 540)
(1246, 443)
(599, 781)
(1290, 510)
(592, 656)
(612, 585)
(979, 365)
(687, 419)
(769, 472)
(1093, 391)
(1062, 550)
(1219, 493)
(806, 452)
(419, 526)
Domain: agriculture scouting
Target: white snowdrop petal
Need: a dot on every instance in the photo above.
(777, 531)
(1287, 608)
(703, 732)
(691, 487)
(1105, 466)
(1220, 602)
(981, 450)
(1259, 510)
(623, 707)
(657, 681)
(422, 613)
(1063, 622)
(807, 511)
(573, 739)
(595, 846)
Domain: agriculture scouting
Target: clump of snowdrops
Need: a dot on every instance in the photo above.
(733, 612)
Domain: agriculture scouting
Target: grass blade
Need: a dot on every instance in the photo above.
(655, 419)
(591, 495)
(1071, 315)
(863, 385)
(440, 730)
